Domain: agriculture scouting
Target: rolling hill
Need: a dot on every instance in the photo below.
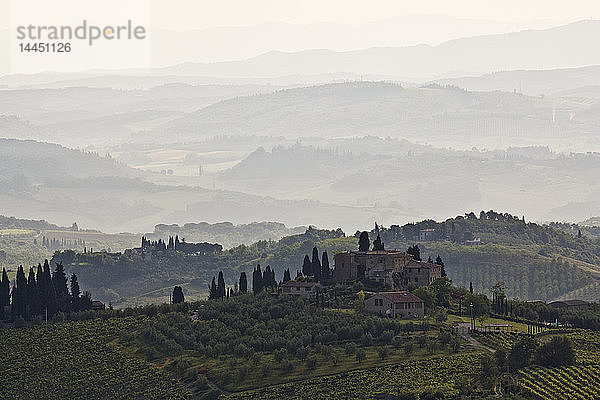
(568, 82)
(67, 185)
(443, 116)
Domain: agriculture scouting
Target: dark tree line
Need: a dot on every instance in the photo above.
(59, 244)
(41, 293)
(174, 244)
(317, 268)
(263, 280)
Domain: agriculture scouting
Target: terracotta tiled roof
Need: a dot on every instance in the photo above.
(401, 297)
(301, 284)
(379, 252)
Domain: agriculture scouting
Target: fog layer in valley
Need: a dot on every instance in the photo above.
(334, 138)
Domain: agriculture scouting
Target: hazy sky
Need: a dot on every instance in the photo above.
(196, 14)
(240, 43)
(188, 14)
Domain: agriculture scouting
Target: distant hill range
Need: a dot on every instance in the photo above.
(566, 46)
(439, 115)
(67, 185)
(572, 45)
(566, 82)
(225, 233)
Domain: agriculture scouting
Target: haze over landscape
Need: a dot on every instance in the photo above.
(259, 135)
(366, 129)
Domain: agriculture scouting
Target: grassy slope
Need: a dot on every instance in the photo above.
(74, 360)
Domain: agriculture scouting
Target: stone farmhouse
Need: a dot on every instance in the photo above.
(301, 288)
(391, 268)
(395, 305)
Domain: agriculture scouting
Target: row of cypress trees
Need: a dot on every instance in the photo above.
(261, 280)
(319, 269)
(41, 293)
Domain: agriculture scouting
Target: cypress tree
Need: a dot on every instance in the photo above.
(306, 266)
(178, 295)
(316, 263)
(75, 293)
(39, 281)
(33, 294)
(4, 292)
(363, 242)
(415, 252)
(378, 244)
(286, 275)
(44, 283)
(213, 290)
(49, 294)
(257, 280)
(439, 262)
(59, 280)
(267, 277)
(221, 286)
(52, 304)
(19, 295)
(243, 283)
(471, 287)
(325, 271)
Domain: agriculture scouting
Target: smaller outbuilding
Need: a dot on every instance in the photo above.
(395, 305)
(301, 288)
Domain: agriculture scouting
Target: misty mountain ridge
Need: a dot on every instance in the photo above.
(528, 49)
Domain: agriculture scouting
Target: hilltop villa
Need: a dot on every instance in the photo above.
(392, 268)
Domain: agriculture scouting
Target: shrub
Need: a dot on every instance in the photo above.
(350, 348)
(302, 353)
(387, 337)
(522, 352)
(366, 340)
(383, 352)
(360, 355)
(311, 362)
(557, 352)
